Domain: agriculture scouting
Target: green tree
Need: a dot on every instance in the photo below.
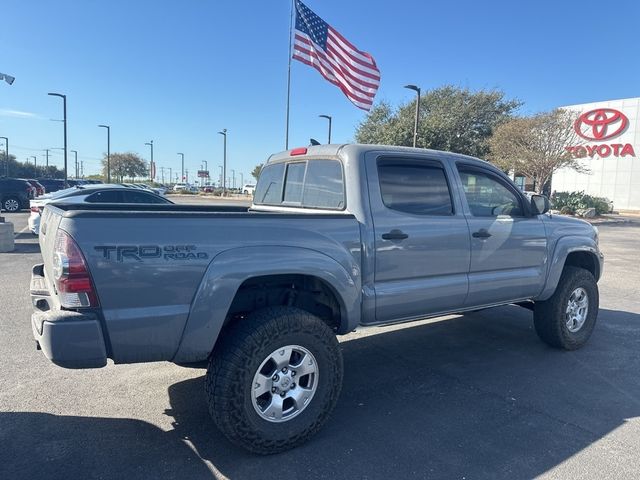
(125, 165)
(256, 171)
(535, 146)
(451, 119)
(27, 169)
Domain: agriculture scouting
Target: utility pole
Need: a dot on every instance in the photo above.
(182, 177)
(75, 152)
(6, 155)
(328, 117)
(224, 162)
(151, 172)
(162, 172)
(64, 109)
(187, 175)
(415, 125)
(170, 175)
(46, 151)
(82, 168)
(108, 151)
(233, 177)
(241, 180)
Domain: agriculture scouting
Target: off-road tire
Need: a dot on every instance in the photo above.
(241, 349)
(549, 315)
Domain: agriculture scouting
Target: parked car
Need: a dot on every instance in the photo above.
(52, 184)
(90, 193)
(338, 236)
(40, 189)
(180, 186)
(15, 194)
(249, 189)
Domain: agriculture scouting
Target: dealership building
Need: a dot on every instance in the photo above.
(608, 145)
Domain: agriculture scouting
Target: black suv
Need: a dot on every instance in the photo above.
(52, 184)
(15, 194)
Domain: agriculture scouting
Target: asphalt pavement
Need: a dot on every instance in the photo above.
(476, 396)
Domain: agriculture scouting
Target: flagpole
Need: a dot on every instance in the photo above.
(286, 136)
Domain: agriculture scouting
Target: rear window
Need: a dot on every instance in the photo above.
(309, 184)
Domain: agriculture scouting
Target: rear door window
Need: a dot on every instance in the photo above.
(106, 196)
(414, 187)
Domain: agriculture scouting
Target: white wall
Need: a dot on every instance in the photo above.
(617, 178)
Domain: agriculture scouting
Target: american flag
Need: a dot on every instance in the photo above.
(320, 46)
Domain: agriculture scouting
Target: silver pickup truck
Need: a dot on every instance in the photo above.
(338, 236)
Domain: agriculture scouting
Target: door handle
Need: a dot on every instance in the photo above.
(395, 235)
(482, 233)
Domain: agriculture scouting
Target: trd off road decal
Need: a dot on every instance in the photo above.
(140, 253)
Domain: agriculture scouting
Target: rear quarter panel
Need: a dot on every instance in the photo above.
(146, 300)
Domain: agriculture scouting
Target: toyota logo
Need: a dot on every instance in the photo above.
(601, 124)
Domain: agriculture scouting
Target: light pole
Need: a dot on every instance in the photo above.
(6, 155)
(241, 180)
(233, 178)
(328, 117)
(151, 172)
(75, 152)
(224, 162)
(415, 125)
(221, 177)
(206, 169)
(108, 151)
(35, 165)
(64, 108)
(182, 155)
(170, 175)
(46, 152)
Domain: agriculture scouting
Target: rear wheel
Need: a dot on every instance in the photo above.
(11, 204)
(274, 379)
(567, 319)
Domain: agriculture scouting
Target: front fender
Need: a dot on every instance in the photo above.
(564, 246)
(228, 270)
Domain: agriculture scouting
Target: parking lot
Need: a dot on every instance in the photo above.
(472, 396)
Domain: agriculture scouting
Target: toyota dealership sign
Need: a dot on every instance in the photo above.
(607, 137)
(600, 125)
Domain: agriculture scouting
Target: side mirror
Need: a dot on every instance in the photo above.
(540, 204)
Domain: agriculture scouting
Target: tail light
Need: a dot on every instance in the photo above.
(34, 209)
(71, 275)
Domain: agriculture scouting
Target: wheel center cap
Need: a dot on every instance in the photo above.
(285, 382)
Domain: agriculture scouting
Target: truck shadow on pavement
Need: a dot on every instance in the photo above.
(477, 396)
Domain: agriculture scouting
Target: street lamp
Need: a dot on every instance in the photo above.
(6, 155)
(108, 152)
(64, 111)
(233, 177)
(182, 155)
(328, 117)
(151, 172)
(415, 125)
(35, 165)
(221, 177)
(75, 152)
(224, 162)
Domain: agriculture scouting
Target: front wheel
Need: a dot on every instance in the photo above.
(567, 319)
(274, 379)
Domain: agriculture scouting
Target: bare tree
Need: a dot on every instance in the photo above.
(536, 146)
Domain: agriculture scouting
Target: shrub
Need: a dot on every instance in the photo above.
(574, 201)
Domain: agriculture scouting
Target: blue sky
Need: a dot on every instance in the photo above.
(177, 72)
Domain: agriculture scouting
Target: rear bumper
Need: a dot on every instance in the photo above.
(67, 338)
